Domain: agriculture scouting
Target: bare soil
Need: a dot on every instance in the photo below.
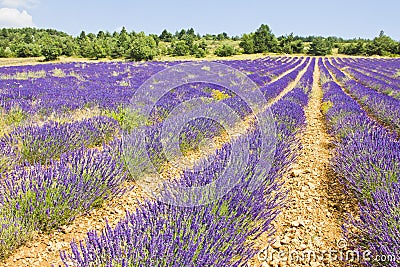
(317, 206)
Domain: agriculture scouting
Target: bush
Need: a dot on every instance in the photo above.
(247, 44)
(28, 50)
(320, 47)
(225, 51)
(180, 48)
(6, 52)
(143, 48)
(127, 118)
(51, 52)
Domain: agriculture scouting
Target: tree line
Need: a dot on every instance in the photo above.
(51, 44)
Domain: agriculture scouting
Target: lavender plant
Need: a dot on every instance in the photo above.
(41, 198)
(366, 160)
(39, 144)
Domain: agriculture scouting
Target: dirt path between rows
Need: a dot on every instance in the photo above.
(44, 250)
(312, 221)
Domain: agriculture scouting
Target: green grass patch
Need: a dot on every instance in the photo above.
(127, 118)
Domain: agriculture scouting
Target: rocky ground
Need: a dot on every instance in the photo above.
(310, 226)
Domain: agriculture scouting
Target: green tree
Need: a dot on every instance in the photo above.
(6, 52)
(222, 36)
(225, 51)
(180, 48)
(200, 50)
(265, 40)
(166, 36)
(180, 34)
(143, 48)
(69, 47)
(28, 50)
(247, 43)
(298, 46)
(382, 45)
(288, 44)
(100, 49)
(320, 47)
(191, 33)
(51, 51)
(123, 43)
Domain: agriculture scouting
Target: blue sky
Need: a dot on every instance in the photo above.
(346, 18)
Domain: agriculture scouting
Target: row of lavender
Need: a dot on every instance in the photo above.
(387, 67)
(220, 233)
(104, 85)
(367, 160)
(377, 78)
(51, 173)
(382, 106)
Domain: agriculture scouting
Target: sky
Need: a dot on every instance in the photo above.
(344, 18)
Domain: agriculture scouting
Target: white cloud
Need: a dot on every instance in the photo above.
(13, 18)
(19, 3)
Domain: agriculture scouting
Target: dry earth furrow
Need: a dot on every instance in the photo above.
(311, 222)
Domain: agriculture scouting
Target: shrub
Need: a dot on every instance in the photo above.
(143, 48)
(127, 118)
(180, 48)
(225, 51)
(320, 47)
(51, 51)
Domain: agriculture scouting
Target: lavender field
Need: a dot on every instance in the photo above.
(75, 147)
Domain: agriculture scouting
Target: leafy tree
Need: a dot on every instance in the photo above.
(143, 48)
(4, 33)
(51, 51)
(86, 48)
(69, 47)
(200, 50)
(101, 35)
(264, 40)
(166, 36)
(180, 48)
(6, 52)
(190, 32)
(382, 45)
(298, 47)
(358, 48)
(247, 43)
(180, 34)
(320, 47)
(155, 37)
(100, 49)
(123, 42)
(28, 50)
(222, 36)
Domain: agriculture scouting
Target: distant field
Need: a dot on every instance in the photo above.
(210, 56)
